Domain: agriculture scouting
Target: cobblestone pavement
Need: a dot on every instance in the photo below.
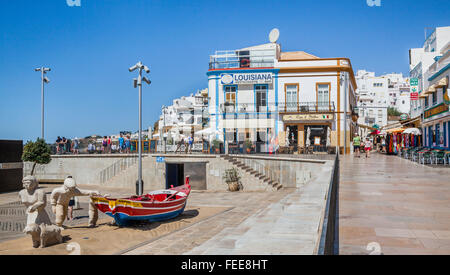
(397, 204)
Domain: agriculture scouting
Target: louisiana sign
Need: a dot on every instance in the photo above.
(246, 78)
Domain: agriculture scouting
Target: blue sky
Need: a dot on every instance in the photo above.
(91, 47)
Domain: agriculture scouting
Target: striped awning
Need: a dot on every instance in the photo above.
(431, 89)
(443, 82)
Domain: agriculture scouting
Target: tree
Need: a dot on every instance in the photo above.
(393, 112)
(37, 152)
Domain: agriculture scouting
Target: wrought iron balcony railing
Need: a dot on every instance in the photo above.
(251, 110)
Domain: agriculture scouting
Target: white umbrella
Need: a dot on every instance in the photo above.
(329, 137)
(308, 134)
(413, 131)
(287, 136)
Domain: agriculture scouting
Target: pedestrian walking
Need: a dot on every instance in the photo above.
(191, 144)
(357, 145)
(75, 146)
(64, 145)
(367, 147)
(104, 145)
(128, 145)
(58, 145)
(121, 143)
(109, 144)
(180, 143)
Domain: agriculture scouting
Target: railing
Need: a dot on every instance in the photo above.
(300, 107)
(117, 167)
(242, 59)
(329, 238)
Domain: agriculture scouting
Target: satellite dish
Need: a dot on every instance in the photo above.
(274, 35)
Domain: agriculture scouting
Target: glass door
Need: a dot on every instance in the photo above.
(261, 98)
(323, 97)
(291, 98)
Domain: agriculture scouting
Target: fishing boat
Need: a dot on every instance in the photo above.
(155, 206)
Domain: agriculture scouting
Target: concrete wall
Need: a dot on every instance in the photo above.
(290, 172)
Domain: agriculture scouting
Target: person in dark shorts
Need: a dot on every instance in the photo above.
(356, 145)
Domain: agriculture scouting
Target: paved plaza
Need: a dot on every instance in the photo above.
(399, 204)
(384, 201)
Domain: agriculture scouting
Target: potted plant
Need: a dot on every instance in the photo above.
(216, 144)
(37, 152)
(248, 146)
(232, 177)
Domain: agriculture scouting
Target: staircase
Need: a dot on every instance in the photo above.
(117, 168)
(259, 175)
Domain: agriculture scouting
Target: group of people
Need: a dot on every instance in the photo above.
(358, 144)
(188, 145)
(64, 145)
(108, 146)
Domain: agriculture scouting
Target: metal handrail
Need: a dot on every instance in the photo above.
(329, 238)
(117, 167)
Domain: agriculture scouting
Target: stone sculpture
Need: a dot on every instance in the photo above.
(44, 235)
(61, 196)
(35, 201)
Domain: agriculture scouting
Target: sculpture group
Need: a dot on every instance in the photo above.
(43, 232)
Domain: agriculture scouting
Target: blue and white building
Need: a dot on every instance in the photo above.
(264, 95)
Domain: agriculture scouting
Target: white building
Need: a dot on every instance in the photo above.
(185, 116)
(420, 60)
(436, 114)
(264, 95)
(373, 98)
(378, 93)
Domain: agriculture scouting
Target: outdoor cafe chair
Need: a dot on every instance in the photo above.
(438, 156)
(425, 157)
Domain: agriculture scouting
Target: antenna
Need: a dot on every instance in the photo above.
(274, 35)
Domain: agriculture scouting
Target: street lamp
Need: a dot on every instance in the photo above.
(138, 82)
(44, 79)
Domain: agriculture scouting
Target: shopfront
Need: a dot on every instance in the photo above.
(436, 126)
(309, 130)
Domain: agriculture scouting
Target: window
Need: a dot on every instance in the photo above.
(380, 113)
(230, 94)
(434, 95)
(426, 102)
(230, 99)
(261, 98)
(323, 97)
(291, 98)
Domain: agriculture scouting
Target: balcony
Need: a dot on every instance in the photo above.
(250, 110)
(242, 59)
(306, 107)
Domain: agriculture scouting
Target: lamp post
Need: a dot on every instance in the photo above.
(44, 79)
(138, 83)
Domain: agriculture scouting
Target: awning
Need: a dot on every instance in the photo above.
(431, 89)
(443, 82)
(423, 95)
(395, 130)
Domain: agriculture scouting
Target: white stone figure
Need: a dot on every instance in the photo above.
(45, 234)
(35, 201)
(61, 196)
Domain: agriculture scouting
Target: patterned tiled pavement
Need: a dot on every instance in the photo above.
(400, 205)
